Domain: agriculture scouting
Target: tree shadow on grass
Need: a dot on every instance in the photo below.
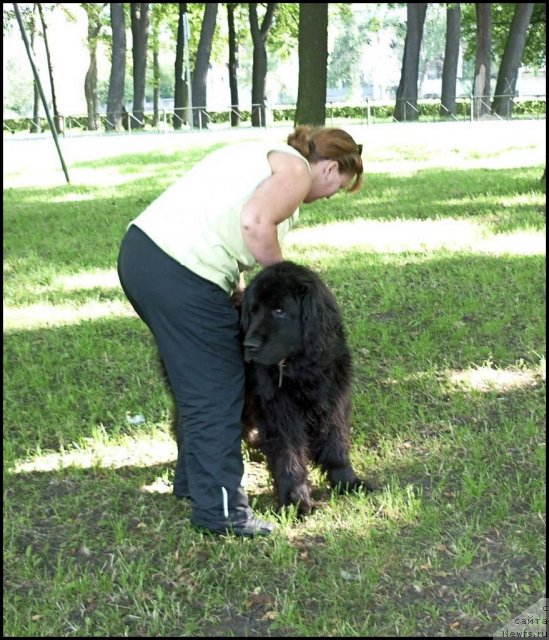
(406, 322)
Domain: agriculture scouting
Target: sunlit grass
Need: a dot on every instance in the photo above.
(102, 278)
(398, 236)
(148, 449)
(50, 315)
(43, 314)
(487, 378)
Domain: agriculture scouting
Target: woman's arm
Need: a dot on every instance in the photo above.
(273, 201)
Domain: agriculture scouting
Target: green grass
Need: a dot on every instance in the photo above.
(440, 274)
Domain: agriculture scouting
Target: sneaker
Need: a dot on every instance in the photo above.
(253, 527)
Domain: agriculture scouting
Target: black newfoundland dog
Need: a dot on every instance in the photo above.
(298, 380)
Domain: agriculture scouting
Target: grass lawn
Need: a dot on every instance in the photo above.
(439, 268)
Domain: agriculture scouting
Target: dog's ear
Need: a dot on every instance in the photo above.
(320, 318)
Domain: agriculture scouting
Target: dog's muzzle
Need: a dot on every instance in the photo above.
(251, 348)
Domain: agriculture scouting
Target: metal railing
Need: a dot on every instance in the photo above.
(470, 108)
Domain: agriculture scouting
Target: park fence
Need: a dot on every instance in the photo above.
(369, 112)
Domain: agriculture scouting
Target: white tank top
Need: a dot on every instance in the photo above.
(196, 220)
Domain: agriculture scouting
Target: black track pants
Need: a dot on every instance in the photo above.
(196, 330)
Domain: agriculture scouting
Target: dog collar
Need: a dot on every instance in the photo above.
(281, 371)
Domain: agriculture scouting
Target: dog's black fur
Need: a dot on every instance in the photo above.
(298, 380)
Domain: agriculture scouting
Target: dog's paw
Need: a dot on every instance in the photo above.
(297, 508)
(366, 485)
(295, 512)
(356, 485)
(295, 500)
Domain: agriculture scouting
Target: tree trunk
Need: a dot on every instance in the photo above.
(200, 76)
(313, 63)
(57, 118)
(259, 70)
(510, 63)
(233, 66)
(115, 100)
(90, 81)
(154, 44)
(406, 97)
(481, 86)
(156, 87)
(179, 84)
(451, 57)
(139, 12)
(35, 126)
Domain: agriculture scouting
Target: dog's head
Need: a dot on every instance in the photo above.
(272, 328)
(287, 310)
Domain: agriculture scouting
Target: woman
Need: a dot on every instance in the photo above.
(179, 263)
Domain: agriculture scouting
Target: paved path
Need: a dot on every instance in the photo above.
(28, 160)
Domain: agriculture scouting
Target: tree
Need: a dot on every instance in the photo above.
(313, 63)
(510, 63)
(481, 84)
(180, 86)
(535, 48)
(93, 11)
(233, 65)
(406, 97)
(451, 57)
(139, 12)
(259, 70)
(159, 12)
(344, 66)
(202, 63)
(35, 126)
(115, 100)
(57, 118)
